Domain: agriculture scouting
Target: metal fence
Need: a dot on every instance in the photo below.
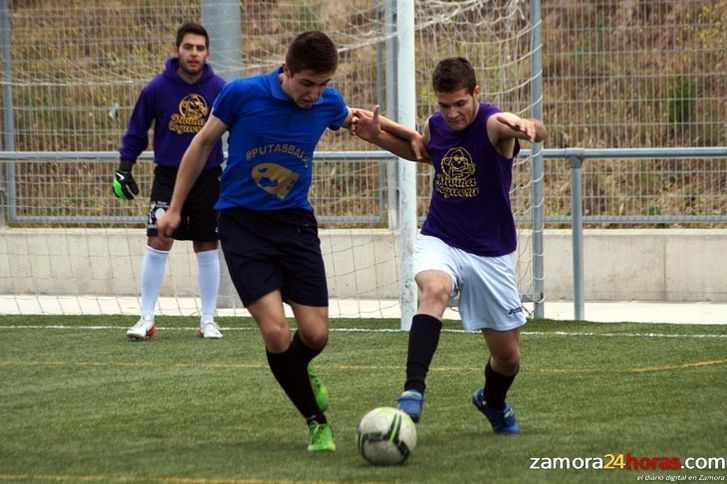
(622, 73)
(674, 186)
(56, 188)
(616, 74)
(577, 157)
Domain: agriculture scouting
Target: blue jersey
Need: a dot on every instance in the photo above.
(271, 142)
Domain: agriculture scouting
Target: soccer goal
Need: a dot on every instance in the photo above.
(67, 246)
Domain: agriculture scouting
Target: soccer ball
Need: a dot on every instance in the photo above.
(386, 436)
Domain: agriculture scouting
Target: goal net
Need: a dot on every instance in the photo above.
(72, 71)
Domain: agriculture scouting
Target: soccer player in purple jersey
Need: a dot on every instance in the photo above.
(466, 245)
(268, 231)
(178, 101)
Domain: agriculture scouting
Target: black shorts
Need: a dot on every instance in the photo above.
(269, 250)
(199, 221)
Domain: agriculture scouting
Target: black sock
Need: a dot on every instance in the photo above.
(293, 378)
(303, 352)
(496, 387)
(303, 355)
(423, 341)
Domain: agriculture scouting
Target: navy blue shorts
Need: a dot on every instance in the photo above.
(199, 221)
(269, 250)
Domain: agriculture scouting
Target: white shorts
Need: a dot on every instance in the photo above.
(487, 289)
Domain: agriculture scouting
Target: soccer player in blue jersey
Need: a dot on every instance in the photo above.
(466, 244)
(268, 232)
(178, 101)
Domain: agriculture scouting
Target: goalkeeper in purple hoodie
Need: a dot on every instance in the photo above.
(178, 102)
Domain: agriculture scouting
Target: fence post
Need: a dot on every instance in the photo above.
(392, 166)
(576, 164)
(7, 173)
(222, 21)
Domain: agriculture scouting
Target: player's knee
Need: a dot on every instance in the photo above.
(436, 293)
(158, 243)
(277, 338)
(507, 362)
(200, 246)
(316, 339)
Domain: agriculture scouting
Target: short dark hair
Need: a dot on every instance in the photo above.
(453, 74)
(314, 51)
(192, 28)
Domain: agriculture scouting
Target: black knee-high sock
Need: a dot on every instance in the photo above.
(496, 387)
(423, 341)
(303, 355)
(303, 352)
(293, 378)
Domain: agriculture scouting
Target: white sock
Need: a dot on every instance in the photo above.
(152, 274)
(208, 277)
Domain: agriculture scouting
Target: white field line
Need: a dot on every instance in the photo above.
(373, 330)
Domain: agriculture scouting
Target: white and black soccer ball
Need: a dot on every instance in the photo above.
(386, 436)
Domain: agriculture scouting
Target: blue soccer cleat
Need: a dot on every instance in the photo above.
(502, 421)
(410, 402)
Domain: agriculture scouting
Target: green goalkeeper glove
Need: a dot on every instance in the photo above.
(124, 184)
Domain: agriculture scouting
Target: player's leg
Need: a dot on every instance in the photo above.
(305, 289)
(426, 325)
(490, 301)
(434, 269)
(253, 244)
(308, 342)
(153, 266)
(208, 279)
(156, 253)
(287, 363)
(500, 371)
(502, 366)
(270, 317)
(201, 228)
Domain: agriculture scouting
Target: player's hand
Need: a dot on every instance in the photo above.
(420, 150)
(167, 224)
(364, 126)
(124, 185)
(516, 123)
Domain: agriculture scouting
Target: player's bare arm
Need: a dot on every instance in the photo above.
(504, 128)
(509, 125)
(190, 167)
(393, 137)
(427, 133)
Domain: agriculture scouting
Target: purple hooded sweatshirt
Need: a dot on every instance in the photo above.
(178, 109)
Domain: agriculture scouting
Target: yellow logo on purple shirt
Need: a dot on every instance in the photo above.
(193, 111)
(457, 177)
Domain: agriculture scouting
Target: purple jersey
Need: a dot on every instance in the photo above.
(178, 110)
(470, 205)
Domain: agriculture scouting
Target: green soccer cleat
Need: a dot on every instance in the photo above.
(320, 438)
(319, 390)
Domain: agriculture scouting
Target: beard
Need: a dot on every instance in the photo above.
(192, 71)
